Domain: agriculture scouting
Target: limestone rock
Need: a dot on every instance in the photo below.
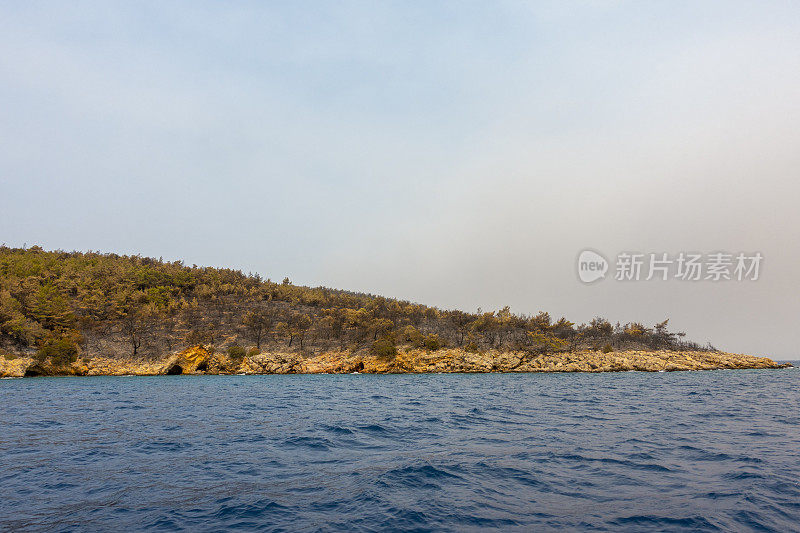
(191, 360)
(199, 359)
(14, 368)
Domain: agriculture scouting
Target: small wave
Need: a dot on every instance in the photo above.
(250, 438)
(419, 475)
(313, 443)
(337, 429)
(132, 407)
(248, 511)
(699, 454)
(47, 424)
(653, 467)
(741, 476)
(58, 486)
(373, 428)
(165, 446)
(692, 523)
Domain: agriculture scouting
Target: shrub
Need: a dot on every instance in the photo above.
(384, 346)
(608, 348)
(236, 352)
(635, 330)
(413, 336)
(600, 327)
(61, 350)
(471, 347)
(432, 342)
(253, 351)
(543, 343)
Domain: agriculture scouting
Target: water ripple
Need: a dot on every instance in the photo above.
(699, 451)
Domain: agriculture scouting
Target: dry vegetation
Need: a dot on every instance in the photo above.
(62, 306)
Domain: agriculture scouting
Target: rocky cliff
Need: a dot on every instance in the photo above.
(199, 360)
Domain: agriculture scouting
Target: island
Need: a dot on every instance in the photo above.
(91, 313)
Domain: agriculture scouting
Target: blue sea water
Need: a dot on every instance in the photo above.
(683, 451)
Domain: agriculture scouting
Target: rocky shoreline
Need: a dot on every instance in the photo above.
(199, 360)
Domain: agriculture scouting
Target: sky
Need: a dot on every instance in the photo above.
(456, 154)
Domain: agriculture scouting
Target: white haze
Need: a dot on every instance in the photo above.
(455, 154)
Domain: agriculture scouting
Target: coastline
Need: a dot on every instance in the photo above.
(198, 360)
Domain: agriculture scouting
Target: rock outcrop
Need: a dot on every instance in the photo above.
(189, 361)
(17, 367)
(200, 360)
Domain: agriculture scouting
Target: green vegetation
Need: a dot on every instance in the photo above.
(61, 349)
(433, 342)
(385, 346)
(236, 353)
(65, 305)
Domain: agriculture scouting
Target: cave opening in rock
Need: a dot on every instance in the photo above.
(175, 370)
(359, 367)
(34, 372)
(203, 367)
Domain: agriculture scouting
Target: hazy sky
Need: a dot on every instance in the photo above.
(458, 154)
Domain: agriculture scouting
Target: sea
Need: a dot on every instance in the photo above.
(632, 451)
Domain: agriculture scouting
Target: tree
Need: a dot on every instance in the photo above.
(663, 337)
(295, 326)
(49, 307)
(62, 349)
(331, 324)
(460, 321)
(384, 346)
(168, 327)
(380, 326)
(135, 325)
(358, 320)
(600, 327)
(563, 328)
(130, 328)
(486, 324)
(505, 323)
(15, 324)
(635, 330)
(540, 322)
(413, 336)
(542, 343)
(300, 323)
(433, 342)
(258, 323)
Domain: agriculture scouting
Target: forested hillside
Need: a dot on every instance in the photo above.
(65, 305)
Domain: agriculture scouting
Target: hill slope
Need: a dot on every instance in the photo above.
(61, 311)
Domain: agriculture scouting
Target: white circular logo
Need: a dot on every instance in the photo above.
(591, 266)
